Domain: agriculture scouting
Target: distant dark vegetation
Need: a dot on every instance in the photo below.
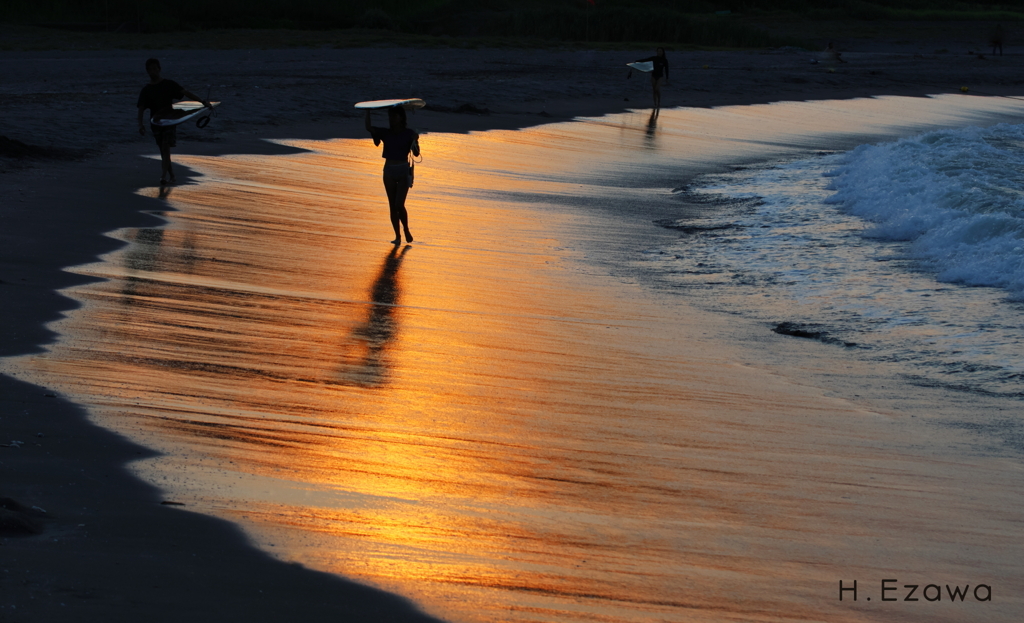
(697, 22)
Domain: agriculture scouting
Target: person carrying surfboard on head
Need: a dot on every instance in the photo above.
(659, 75)
(399, 141)
(158, 97)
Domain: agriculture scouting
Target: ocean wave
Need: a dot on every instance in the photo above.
(874, 250)
(956, 195)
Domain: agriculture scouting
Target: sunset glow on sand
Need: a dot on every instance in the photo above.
(489, 423)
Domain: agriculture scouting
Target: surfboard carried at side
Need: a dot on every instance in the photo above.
(644, 66)
(187, 111)
(408, 104)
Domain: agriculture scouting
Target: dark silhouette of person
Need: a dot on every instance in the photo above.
(996, 40)
(399, 141)
(832, 54)
(659, 75)
(158, 97)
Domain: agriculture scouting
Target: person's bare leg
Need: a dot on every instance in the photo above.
(389, 186)
(401, 192)
(398, 190)
(166, 172)
(395, 222)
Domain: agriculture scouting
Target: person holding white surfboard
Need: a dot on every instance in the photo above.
(158, 96)
(399, 141)
(659, 75)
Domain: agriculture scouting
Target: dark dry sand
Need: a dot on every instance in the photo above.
(108, 549)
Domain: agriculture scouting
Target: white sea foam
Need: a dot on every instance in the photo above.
(876, 248)
(957, 195)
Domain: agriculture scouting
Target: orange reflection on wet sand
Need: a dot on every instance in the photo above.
(479, 422)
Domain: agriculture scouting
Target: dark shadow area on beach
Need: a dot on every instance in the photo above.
(111, 548)
(23, 154)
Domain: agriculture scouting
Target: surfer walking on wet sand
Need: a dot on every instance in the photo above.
(659, 75)
(158, 96)
(399, 141)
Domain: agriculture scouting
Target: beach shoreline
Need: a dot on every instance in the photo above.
(108, 544)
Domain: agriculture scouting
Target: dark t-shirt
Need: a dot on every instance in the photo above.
(159, 97)
(396, 144)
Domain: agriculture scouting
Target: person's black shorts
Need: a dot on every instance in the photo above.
(165, 135)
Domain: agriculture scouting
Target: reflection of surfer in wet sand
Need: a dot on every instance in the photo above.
(652, 127)
(375, 335)
(659, 75)
(399, 141)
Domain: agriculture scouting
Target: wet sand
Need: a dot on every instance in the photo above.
(769, 461)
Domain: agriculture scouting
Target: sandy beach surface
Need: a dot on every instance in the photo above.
(798, 466)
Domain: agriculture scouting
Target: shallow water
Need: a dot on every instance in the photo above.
(483, 421)
(909, 252)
